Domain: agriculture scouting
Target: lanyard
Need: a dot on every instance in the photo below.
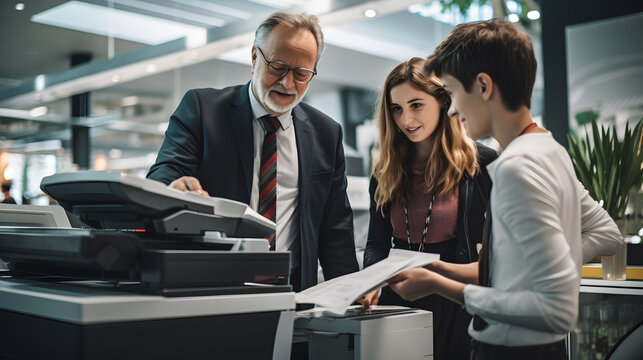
(529, 127)
(426, 224)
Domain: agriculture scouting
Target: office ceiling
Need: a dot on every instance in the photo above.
(360, 51)
(30, 48)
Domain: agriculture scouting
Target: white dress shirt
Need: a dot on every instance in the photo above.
(287, 217)
(544, 226)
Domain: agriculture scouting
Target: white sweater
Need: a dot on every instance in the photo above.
(545, 225)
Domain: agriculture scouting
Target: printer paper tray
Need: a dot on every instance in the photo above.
(202, 268)
(102, 255)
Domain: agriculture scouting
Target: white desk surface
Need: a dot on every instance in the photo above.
(87, 305)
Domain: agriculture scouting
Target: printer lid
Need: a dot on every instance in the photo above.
(112, 200)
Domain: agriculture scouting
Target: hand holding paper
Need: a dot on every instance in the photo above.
(413, 284)
(370, 299)
(336, 295)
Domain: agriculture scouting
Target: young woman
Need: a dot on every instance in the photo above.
(429, 192)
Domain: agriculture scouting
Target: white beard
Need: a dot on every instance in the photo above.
(270, 105)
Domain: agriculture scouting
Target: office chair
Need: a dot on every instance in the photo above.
(630, 346)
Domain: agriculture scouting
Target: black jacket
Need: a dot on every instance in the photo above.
(210, 137)
(450, 321)
(472, 204)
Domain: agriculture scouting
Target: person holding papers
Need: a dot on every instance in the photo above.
(429, 192)
(542, 222)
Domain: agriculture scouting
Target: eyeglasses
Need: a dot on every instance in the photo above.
(279, 69)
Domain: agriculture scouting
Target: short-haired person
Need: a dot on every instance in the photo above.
(543, 224)
(258, 144)
(429, 192)
(6, 188)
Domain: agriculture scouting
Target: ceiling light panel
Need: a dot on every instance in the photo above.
(221, 9)
(149, 6)
(118, 23)
(279, 4)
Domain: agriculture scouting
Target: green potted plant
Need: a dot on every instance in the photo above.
(609, 169)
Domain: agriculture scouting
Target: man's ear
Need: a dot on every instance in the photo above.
(254, 59)
(485, 85)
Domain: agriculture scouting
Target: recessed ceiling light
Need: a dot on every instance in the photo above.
(39, 82)
(20, 6)
(151, 68)
(513, 6)
(370, 13)
(116, 78)
(513, 18)
(39, 111)
(533, 15)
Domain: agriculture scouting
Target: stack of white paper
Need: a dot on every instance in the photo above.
(337, 294)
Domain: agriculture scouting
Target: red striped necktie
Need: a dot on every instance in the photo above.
(268, 174)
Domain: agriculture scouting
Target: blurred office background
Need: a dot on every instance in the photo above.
(91, 84)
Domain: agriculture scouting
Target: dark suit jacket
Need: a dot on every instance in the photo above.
(210, 137)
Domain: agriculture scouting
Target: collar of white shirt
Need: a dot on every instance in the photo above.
(258, 110)
(516, 146)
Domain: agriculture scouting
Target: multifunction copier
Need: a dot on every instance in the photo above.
(147, 272)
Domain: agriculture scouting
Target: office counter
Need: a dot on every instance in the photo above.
(52, 320)
(608, 309)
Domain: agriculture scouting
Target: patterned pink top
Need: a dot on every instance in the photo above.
(443, 217)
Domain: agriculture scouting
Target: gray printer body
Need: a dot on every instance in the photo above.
(382, 333)
(143, 279)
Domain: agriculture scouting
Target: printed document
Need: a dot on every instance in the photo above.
(337, 294)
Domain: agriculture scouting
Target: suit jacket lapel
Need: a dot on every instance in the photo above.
(304, 153)
(240, 117)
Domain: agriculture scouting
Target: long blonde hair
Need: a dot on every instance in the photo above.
(453, 153)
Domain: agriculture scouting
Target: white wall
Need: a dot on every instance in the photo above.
(605, 68)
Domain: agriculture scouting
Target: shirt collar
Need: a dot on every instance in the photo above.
(258, 110)
(515, 146)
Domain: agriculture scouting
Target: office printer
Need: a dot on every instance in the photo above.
(378, 333)
(146, 235)
(152, 273)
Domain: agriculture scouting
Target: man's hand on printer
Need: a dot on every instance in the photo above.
(370, 299)
(189, 183)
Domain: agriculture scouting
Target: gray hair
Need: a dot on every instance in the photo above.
(298, 21)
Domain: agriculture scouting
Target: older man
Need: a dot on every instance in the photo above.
(256, 143)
